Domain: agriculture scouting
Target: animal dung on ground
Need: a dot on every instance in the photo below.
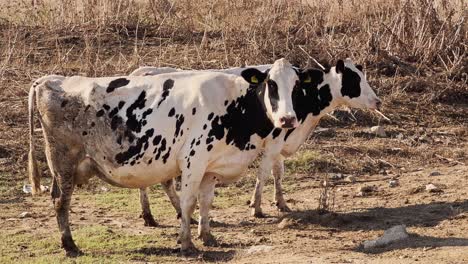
(391, 235)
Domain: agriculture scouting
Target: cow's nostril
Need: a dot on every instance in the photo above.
(288, 121)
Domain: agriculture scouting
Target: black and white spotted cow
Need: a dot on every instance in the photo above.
(319, 94)
(137, 131)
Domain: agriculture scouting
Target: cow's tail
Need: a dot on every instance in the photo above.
(33, 169)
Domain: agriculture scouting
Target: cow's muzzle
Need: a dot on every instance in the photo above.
(288, 122)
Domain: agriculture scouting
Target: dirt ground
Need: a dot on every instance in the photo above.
(437, 223)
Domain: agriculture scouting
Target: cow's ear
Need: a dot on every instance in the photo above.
(304, 76)
(359, 67)
(311, 76)
(340, 67)
(253, 76)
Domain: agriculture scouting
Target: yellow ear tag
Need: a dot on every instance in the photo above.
(308, 80)
(254, 79)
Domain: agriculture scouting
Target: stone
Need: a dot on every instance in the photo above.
(366, 190)
(286, 223)
(391, 235)
(378, 131)
(350, 178)
(25, 214)
(393, 183)
(432, 188)
(259, 249)
(435, 173)
(27, 188)
(416, 190)
(336, 177)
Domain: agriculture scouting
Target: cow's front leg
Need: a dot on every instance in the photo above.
(263, 171)
(278, 172)
(145, 209)
(189, 191)
(205, 200)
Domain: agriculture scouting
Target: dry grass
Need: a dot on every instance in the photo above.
(103, 37)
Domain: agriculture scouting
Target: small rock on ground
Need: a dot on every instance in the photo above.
(366, 190)
(350, 178)
(24, 215)
(433, 188)
(391, 235)
(393, 183)
(337, 176)
(435, 173)
(286, 223)
(259, 249)
(378, 131)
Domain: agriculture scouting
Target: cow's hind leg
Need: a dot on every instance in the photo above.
(169, 188)
(63, 171)
(205, 199)
(146, 210)
(278, 173)
(171, 193)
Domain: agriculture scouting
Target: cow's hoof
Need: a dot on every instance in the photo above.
(257, 214)
(73, 253)
(71, 250)
(189, 250)
(283, 208)
(209, 240)
(149, 221)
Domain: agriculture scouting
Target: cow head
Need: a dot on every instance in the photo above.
(278, 83)
(354, 88)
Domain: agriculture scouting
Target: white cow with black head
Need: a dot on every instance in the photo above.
(137, 131)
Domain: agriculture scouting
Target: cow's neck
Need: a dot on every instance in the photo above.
(244, 117)
(330, 86)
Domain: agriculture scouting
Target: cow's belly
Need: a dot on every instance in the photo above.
(141, 176)
(231, 166)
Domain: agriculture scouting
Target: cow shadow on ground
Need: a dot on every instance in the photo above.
(380, 218)
(205, 255)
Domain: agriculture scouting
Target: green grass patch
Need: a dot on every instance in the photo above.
(100, 244)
